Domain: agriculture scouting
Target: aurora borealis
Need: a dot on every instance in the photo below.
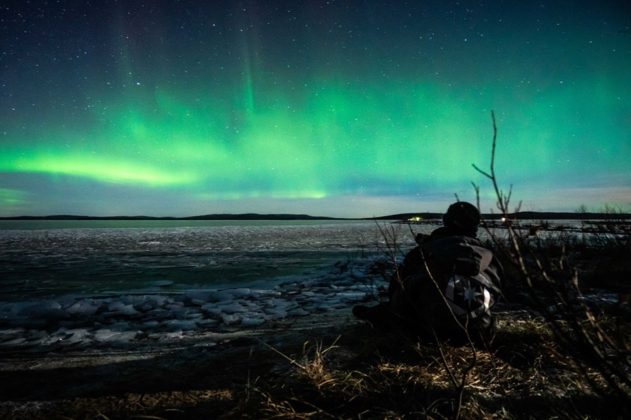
(334, 108)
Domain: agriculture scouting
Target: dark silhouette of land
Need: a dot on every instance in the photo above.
(524, 215)
(223, 216)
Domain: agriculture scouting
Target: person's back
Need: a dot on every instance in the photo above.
(448, 283)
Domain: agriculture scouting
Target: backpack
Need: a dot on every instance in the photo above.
(467, 276)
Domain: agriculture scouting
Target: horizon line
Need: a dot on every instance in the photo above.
(300, 216)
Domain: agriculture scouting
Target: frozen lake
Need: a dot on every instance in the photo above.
(96, 257)
(84, 284)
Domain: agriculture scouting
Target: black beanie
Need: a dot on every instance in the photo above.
(463, 216)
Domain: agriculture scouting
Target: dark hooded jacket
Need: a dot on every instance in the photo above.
(417, 291)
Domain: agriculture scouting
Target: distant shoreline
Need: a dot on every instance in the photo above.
(245, 216)
(401, 216)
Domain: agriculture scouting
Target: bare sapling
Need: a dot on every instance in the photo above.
(552, 285)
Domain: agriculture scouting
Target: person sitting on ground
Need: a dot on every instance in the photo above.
(447, 284)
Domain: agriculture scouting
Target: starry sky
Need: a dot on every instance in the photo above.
(334, 108)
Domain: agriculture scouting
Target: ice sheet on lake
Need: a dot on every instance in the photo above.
(44, 264)
(99, 287)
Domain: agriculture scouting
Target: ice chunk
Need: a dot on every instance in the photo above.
(15, 342)
(120, 308)
(157, 314)
(221, 296)
(198, 297)
(261, 293)
(145, 306)
(49, 310)
(275, 313)
(85, 307)
(180, 325)
(120, 326)
(125, 337)
(11, 334)
(277, 303)
(177, 335)
(207, 323)
(232, 308)
(177, 310)
(79, 335)
(197, 302)
(105, 334)
(298, 312)
(158, 300)
(55, 338)
(351, 296)
(248, 321)
(211, 309)
(230, 319)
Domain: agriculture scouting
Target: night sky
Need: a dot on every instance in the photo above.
(334, 108)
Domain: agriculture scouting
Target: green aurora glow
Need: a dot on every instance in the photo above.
(331, 137)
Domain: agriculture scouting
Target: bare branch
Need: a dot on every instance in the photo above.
(481, 171)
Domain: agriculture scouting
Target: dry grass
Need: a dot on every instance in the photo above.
(130, 405)
(354, 371)
(524, 376)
